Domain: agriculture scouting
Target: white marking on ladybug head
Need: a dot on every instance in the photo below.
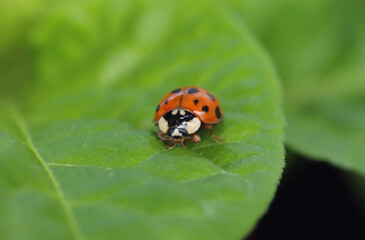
(174, 112)
(193, 125)
(176, 133)
(182, 112)
(163, 125)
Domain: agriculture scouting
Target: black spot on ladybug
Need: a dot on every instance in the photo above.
(158, 108)
(211, 96)
(206, 109)
(165, 101)
(192, 90)
(218, 112)
(196, 101)
(176, 90)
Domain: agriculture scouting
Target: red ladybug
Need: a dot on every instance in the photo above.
(183, 111)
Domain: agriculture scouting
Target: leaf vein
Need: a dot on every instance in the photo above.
(74, 227)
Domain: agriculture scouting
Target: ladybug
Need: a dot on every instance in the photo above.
(184, 111)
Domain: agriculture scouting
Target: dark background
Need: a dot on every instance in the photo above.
(314, 201)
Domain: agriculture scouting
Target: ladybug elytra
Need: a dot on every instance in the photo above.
(184, 111)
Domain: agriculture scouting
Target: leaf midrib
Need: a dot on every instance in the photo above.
(73, 224)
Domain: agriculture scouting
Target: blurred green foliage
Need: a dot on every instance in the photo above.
(80, 81)
(318, 48)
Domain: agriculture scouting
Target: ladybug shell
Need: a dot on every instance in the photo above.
(194, 99)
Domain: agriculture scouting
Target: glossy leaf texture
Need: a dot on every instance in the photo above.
(318, 47)
(79, 154)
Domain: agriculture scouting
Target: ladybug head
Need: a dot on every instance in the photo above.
(179, 123)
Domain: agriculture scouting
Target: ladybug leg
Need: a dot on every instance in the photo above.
(170, 146)
(195, 138)
(160, 135)
(211, 127)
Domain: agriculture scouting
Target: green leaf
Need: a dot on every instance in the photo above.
(79, 154)
(322, 67)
